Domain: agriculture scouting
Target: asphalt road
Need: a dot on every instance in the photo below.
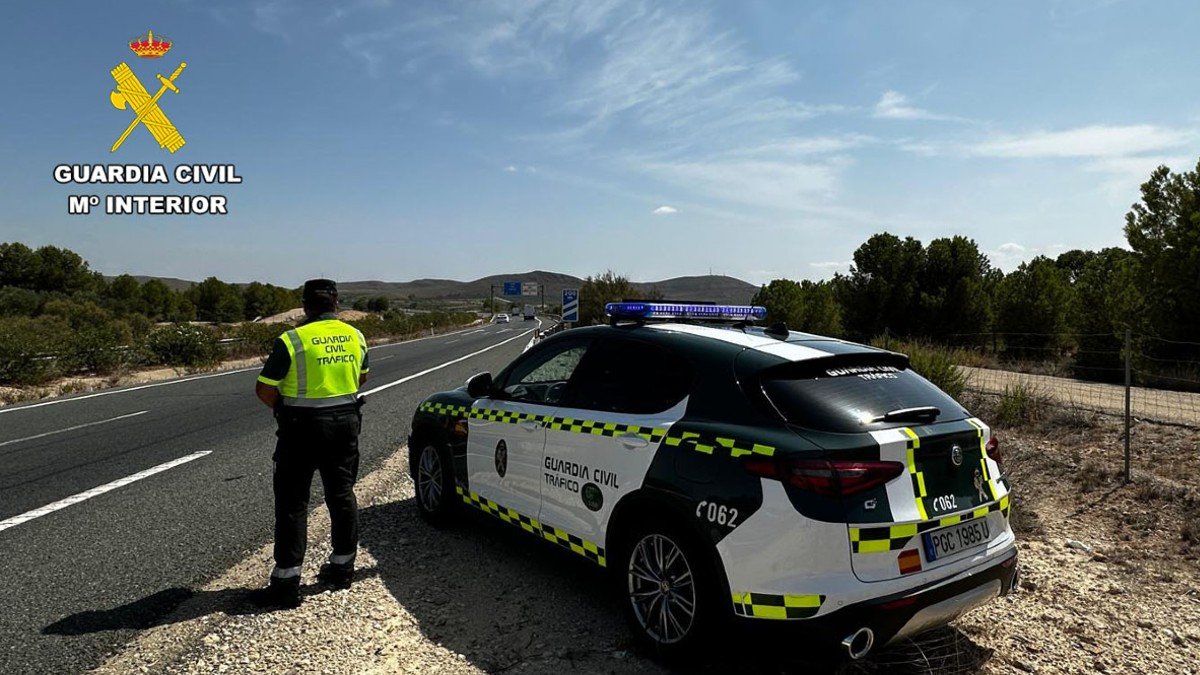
(183, 525)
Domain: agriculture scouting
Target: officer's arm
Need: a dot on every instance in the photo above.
(273, 372)
(366, 361)
(267, 394)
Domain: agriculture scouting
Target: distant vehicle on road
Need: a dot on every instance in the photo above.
(790, 483)
(530, 313)
(502, 318)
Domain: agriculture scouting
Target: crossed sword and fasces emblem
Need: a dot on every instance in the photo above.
(130, 93)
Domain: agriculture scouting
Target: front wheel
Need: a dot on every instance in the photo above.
(434, 482)
(669, 592)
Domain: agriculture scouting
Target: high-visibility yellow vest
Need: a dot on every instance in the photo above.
(327, 361)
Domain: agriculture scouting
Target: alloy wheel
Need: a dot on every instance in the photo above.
(662, 589)
(429, 479)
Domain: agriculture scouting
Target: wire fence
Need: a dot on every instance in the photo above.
(1131, 375)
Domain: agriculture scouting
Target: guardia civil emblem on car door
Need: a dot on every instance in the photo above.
(501, 458)
(956, 456)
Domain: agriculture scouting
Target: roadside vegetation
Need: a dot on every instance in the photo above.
(59, 318)
(1068, 314)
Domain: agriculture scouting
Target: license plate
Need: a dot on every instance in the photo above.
(956, 538)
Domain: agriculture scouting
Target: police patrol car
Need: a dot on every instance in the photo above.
(732, 473)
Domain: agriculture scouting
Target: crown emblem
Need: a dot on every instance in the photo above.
(150, 47)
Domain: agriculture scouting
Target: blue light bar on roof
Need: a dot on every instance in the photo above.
(663, 310)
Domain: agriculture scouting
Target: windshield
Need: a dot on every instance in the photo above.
(846, 400)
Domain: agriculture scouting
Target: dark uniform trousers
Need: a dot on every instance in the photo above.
(324, 441)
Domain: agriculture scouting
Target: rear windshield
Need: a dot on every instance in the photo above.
(844, 399)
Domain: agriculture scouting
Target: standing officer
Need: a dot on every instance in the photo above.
(311, 380)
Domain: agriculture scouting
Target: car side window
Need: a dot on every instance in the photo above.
(542, 377)
(630, 376)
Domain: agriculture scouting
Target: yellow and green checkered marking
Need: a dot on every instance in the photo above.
(443, 409)
(710, 445)
(768, 606)
(550, 533)
(883, 539)
(918, 479)
(568, 424)
(987, 477)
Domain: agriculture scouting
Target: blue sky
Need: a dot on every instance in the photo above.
(397, 140)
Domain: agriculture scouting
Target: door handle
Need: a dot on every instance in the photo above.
(530, 425)
(634, 442)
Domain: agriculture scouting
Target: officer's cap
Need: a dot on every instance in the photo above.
(314, 288)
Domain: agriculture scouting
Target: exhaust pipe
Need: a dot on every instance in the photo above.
(858, 643)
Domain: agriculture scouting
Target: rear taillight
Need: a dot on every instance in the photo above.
(993, 449)
(829, 477)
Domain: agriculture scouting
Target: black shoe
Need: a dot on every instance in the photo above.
(338, 576)
(279, 593)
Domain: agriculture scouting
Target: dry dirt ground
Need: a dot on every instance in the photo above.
(1110, 585)
(1156, 404)
(87, 383)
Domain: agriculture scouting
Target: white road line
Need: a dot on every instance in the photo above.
(450, 342)
(427, 337)
(122, 391)
(97, 491)
(77, 426)
(439, 367)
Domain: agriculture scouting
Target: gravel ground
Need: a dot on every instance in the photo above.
(1109, 586)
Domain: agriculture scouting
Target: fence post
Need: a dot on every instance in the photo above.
(1128, 424)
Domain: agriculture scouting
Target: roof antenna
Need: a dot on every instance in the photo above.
(777, 330)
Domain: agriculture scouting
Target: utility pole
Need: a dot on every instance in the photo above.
(492, 299)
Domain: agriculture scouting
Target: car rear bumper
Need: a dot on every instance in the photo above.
(895, 617)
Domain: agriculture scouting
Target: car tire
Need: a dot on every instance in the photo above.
(659, 618)
(433, 481)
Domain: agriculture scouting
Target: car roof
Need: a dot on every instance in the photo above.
(795, 346)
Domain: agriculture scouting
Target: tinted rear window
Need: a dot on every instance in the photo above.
(839, 399)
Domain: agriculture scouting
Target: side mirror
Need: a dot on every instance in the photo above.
(480, 385)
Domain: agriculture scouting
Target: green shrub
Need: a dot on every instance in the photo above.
(29, 347)
(99, 348)
(18, 301)
(1020, 404)
(257, 338)
(183, 345)
(937, 364)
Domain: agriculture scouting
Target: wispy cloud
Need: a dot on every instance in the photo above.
(1089, 141)
(1010, 255)
(758, 183)
(1126, 154)
(511, 168)
(893, 105)
(829, 268)
(665, 210)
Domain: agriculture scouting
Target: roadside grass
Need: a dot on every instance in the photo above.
(939, 365)
(1021, 404)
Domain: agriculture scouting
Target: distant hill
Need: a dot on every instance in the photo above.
(171, 282)
(714, 288)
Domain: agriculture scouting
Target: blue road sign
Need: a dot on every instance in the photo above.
(512, 288)
(570, 304)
